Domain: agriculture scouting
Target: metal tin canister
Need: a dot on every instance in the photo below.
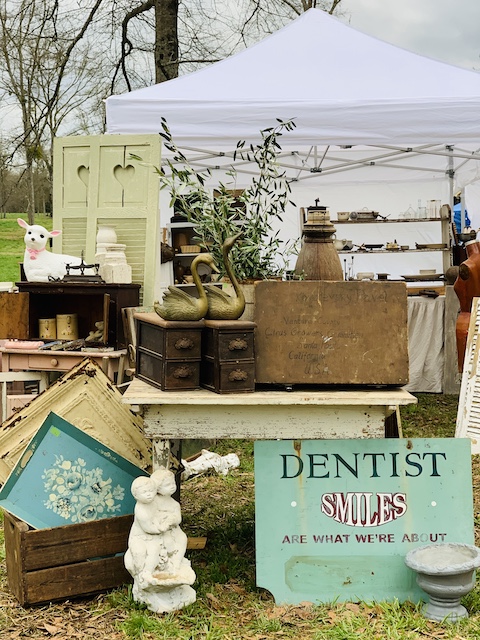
(67, 326)
(47, 328)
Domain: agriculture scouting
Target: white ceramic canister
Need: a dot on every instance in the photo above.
(47, 328)
(67, 326)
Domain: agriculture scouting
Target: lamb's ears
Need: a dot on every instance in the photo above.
(54, 233)
(22, 223)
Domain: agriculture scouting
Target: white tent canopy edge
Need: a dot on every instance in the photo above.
(366, 112)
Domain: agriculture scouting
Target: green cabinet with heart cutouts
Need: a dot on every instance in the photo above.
(99, 180)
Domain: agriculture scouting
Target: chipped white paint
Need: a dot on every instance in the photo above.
(263, 415)
(468, 415)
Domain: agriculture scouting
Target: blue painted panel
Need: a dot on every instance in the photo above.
(335, 518)
(65, 476)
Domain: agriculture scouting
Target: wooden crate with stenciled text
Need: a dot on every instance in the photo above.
(331, 333)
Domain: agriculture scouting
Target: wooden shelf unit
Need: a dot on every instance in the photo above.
(92, 302)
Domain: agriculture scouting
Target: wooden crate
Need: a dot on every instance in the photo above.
(331, 333)
(45, 565)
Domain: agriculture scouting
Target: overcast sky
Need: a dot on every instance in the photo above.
(447, 30)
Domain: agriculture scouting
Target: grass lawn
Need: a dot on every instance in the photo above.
(12, 246)
(229, 604)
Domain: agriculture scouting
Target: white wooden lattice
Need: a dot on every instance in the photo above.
(468, 415)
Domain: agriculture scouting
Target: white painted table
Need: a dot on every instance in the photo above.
(263, 415)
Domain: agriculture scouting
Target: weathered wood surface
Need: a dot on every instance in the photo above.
(264, 414)
(451, 376)
(14, 309)
(79, 579)
(142, 393)
(468, 415)
(62, 562)
(265, 422)
(318, 332)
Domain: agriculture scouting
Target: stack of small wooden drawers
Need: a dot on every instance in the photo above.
(228, 356)
(168, 353)
(214, 354)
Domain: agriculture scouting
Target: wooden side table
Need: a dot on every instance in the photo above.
(111, 362)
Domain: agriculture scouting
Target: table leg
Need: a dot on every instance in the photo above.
(160, 453)
(393, 424)
(121, 369)
(167, 454)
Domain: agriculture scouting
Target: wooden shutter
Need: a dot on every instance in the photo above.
(97, 182)
(468, 416)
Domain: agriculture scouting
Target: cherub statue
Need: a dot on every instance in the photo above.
(156, 546)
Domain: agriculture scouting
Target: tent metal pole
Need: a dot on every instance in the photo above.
(447, 258)
(450, 173)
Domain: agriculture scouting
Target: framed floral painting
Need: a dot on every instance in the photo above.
(65, 476)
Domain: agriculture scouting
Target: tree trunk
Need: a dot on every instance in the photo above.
(166, 40)
(31, 199)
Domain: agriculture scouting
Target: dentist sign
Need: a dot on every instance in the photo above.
(335, 518)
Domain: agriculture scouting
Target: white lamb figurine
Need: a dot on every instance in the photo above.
(39, 264)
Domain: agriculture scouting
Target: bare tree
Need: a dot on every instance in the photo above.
(55, 57)
(43, 72)
(187, 35)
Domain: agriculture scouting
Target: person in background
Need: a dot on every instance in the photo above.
(457, 217)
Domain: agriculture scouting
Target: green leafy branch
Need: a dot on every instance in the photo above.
(223, 212)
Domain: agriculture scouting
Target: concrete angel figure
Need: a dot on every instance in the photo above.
(155, 557)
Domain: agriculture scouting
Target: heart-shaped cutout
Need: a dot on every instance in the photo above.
(83, 173)
(124, 175)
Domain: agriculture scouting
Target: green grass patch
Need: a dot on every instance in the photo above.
(12, 246)
(434, 416)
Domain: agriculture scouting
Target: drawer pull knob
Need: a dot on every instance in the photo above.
(237, 344)
(183, 372)
(237, 375)
(54, 362)
(184, 343)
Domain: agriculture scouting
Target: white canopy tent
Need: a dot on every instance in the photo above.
(395, 126)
